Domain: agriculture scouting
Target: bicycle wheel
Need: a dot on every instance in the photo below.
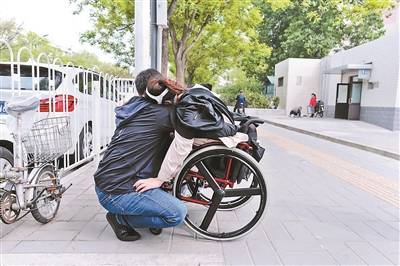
(45, 208)
(205, 216)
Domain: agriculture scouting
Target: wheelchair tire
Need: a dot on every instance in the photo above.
(244, 194)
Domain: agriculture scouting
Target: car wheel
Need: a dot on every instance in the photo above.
(86, 142)
(6, 159)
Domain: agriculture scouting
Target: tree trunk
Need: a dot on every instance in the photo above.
(180, 70)
(164, 55)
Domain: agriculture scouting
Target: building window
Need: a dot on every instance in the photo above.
(280, 82)
(298, 80)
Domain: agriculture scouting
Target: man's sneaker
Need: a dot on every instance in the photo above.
(155, 231)
(122, 232)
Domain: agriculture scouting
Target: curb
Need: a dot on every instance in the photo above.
(339, 141)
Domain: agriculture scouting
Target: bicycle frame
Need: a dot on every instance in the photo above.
(24, 182)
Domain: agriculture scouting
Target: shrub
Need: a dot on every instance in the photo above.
(253, 92)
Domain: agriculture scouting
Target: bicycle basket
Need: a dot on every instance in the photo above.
(48, 139)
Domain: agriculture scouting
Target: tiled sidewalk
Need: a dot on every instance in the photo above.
(314, 217)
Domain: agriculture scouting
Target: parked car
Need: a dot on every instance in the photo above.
(63, 91)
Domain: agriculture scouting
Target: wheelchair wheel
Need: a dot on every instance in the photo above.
(206, 193)
(227, 204)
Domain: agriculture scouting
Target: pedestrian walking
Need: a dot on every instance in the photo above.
(240, 103)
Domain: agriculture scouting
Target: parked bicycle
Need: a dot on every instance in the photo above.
(33, 185)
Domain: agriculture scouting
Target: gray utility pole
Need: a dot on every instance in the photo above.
(150, 18)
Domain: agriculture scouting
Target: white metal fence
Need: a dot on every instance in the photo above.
(87, 96)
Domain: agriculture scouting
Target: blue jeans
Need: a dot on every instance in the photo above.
(153, 208)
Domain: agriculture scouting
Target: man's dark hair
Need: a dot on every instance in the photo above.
(143, 77)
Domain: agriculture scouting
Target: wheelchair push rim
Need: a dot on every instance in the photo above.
(210, 226)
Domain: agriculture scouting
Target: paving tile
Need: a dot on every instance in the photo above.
(61, 225)
(384, 229)
(258, 234)
(92, 247)
(60, 235)
(66, 213)
(86, 213)
(342, 253)
(297, 245)
(275, 230)
(368, 254)
(303, 213)
(7, 246)
(23, 231)
(298, 231)
(331, 231)
(107, 234)
(7, 228)
(323, 214)
(199, 246)
(388, 248)
(27, 246)
(136, 259)
(308, 258)
(262, 252)
(182, 232)
(91, 231)
(281, 213)
(381, 214)
(236, 253)
(144, 246)
(364, 231)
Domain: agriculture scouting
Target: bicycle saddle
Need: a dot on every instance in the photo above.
(22, 104)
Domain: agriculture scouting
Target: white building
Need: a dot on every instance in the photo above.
(362, 83)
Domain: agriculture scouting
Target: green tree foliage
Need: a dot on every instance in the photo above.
(312, 28)
(210, 36)
(39, 44)
(113, 27)
(252, 88)
(206, 37)
(253, 92)
(9, 30)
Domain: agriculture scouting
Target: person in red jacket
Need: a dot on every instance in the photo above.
(312, 104)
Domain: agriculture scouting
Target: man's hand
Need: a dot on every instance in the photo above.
(143, 185)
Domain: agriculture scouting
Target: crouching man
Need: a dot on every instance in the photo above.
(126, 179)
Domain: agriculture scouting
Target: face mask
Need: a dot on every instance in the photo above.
(158, 98)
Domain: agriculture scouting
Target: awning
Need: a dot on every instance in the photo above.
(347, 67)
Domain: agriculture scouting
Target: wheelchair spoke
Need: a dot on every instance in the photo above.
(207, 175)
(238, 192)
(216, 200)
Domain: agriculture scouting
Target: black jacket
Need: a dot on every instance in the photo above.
(138, 146)
(199, 114)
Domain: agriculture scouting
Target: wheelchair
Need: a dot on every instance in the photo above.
(223, 188)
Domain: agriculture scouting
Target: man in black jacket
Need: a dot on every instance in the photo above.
(125, 179)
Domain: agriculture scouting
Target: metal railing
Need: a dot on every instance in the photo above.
(87, 96)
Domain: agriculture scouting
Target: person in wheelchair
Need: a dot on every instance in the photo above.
(203, 118)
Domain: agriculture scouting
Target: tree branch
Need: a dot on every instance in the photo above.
(187, 28)
(171, 8)
(173, 38)
(197, 35)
